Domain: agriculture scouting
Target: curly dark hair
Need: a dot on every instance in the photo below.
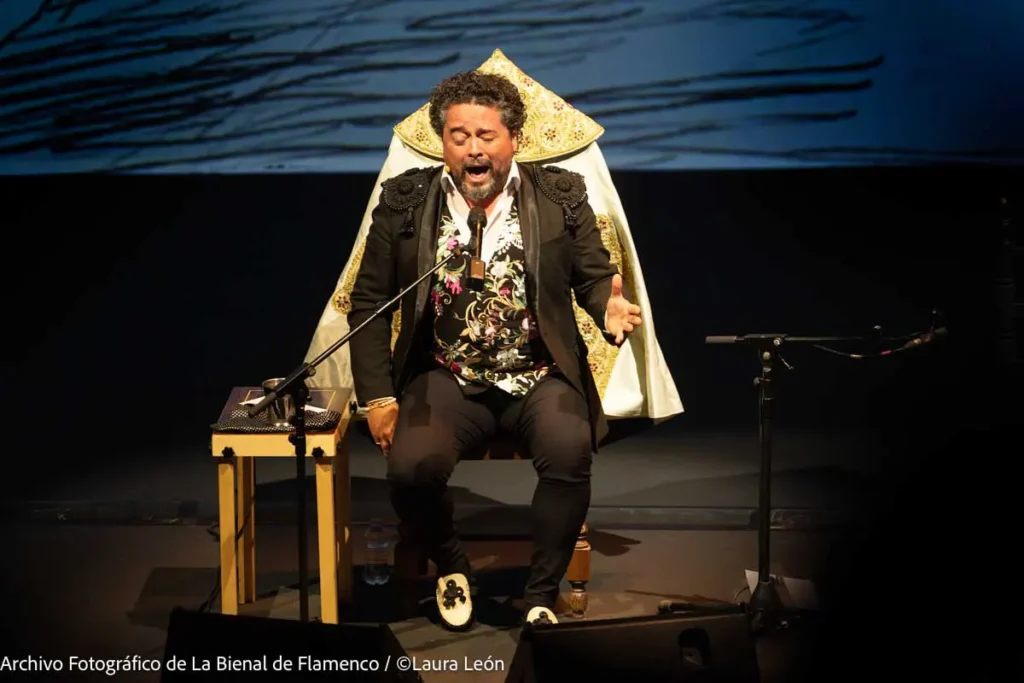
(473, 87)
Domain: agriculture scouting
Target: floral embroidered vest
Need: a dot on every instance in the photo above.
(488, 337)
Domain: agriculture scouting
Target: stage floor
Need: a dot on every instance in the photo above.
(107, 591)
(666, 478)
(94, 564)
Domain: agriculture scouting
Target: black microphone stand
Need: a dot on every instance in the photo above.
(294, 385)
(765, 605)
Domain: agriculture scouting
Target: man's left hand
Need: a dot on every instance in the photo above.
(621, 317)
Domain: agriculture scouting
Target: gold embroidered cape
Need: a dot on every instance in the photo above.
(633, 380)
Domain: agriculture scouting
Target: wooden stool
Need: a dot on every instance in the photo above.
(235, 453)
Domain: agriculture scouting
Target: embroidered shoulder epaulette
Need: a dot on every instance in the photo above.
(568, 189)
(406, 191)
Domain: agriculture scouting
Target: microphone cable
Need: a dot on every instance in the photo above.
(911, 342)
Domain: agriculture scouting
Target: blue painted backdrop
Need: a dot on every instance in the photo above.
(300, 85)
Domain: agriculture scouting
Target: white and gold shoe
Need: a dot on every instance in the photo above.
(454, 603)
(540, 615)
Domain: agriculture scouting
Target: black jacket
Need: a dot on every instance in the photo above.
(564, 253)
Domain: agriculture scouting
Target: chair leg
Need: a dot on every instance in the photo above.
(578, 575)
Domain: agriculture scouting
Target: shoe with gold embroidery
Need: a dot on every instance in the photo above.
(537, 616)
(454, 602)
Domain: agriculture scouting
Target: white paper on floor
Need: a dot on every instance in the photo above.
(794, 593)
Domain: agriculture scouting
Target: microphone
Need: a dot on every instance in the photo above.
(721, 339)
(477, 221)
(926, 338)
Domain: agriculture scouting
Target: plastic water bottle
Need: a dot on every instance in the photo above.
(377, 568)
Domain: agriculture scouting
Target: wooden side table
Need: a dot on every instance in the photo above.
(236, 484)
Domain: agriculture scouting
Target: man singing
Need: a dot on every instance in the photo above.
(473, 359)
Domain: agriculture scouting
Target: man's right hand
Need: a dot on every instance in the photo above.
(382, 423)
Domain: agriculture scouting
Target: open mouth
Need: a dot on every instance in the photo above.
(477, 172)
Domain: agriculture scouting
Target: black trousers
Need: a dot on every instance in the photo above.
(439, 423)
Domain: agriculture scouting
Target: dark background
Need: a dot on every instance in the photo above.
(139, 301)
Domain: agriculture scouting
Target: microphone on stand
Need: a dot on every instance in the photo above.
(477, 221)
(936, 331)
(922, 339)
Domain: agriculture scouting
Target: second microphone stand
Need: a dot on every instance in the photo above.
(765, 603)
(294, 385)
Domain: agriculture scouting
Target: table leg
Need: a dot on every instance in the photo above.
(343, 512)
(246, 520)
(327, 540)
(228, 557)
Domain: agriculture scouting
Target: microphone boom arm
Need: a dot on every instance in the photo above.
(295, 386)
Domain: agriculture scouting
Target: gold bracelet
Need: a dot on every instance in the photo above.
(380, 402)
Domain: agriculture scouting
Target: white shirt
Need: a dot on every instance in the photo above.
(459, 210)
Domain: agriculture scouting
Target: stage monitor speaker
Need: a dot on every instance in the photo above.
(711, 647)
(204, 646)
